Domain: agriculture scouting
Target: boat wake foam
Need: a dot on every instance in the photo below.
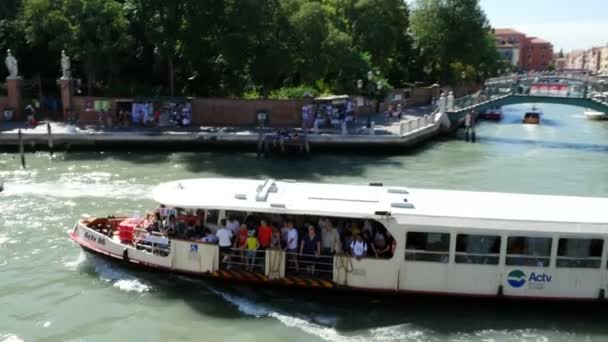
(10, 338)
(321, 327)
(118, 278)
(74, 264)
(3, 238)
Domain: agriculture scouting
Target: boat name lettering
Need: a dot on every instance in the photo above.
(95, 239)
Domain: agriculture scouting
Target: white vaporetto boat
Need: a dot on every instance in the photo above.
(419, 240)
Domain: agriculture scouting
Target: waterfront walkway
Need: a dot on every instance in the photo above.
(416, 125)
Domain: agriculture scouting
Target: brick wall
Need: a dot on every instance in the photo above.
(215, 112)
(234, 112)
(3, 102)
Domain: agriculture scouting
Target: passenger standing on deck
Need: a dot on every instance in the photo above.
(292, 244)
(264, 234)
(380, 245)
(310, 249)
(241, 241)
(233, 225)
(275, 238)
(330, 239)
(224, 236)
(252, 247)
(358, 247)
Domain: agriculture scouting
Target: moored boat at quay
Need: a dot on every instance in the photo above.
(386, 239)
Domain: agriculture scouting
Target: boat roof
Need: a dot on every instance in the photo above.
(365, 201)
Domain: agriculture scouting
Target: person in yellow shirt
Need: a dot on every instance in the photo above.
(252, 247)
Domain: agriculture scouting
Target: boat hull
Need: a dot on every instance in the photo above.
(109, 249)
(492, 116)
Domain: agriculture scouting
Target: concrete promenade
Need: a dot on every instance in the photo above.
(415, 126)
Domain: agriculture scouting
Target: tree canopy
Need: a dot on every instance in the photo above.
(253, 47)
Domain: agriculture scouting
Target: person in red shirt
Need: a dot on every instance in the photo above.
(264, 234)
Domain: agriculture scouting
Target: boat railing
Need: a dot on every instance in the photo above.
(154, 242)
(425, 255)
(243, 260)
(318, 266)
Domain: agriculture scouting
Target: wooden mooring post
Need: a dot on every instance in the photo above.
(21, 149)
(50, 136)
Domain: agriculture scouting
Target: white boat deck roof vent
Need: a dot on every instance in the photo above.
(264, 189)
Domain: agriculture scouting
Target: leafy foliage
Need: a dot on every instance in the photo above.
(250, 48)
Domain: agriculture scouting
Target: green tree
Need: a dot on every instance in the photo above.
(93, 32)
(164, 23)
(451, 31)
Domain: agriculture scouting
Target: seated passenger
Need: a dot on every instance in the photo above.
(190, 233)
(264, 234)
(358, 248)
(380, 246)
(252, 247)
(170, 228)
(154, 227)
(209, 237)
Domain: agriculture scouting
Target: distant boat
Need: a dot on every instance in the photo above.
(595, 115)
(493, 114)
(532, 116)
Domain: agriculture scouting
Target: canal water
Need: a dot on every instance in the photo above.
(49, 290)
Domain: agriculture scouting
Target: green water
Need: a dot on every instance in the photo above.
(49, 289)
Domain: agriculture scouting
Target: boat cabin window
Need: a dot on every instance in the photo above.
(212, 216)
(432, 247)
(579, 253)
(238, 215)
(477, 249)
(529, 251)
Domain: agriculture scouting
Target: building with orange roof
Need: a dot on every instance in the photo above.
(524, 53)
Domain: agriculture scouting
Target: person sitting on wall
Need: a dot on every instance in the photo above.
(29, 112)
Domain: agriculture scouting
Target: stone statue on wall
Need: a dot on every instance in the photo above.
(66, 66)
(11, 65)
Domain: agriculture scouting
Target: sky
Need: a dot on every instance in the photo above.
(568, 24)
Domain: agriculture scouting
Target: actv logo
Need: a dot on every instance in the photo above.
(518, 278)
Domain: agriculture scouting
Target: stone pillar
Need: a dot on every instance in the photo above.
(13, 85)
(65, 88)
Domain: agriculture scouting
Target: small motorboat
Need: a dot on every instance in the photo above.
(493, 114)
(532, 116)
(595, 115)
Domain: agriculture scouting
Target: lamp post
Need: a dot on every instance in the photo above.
(379, 92)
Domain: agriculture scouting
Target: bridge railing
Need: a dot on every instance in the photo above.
(477, 98)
